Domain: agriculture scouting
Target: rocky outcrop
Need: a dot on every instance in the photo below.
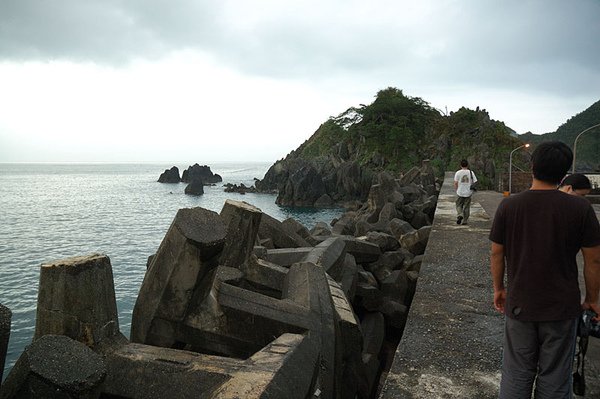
(200, 173)
(196, 187)
(323, 181)
(170, 176)
(240, 189)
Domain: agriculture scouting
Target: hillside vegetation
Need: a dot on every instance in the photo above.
(396, 132)
(588, 145)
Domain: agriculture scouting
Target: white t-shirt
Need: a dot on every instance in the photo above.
(463, 177)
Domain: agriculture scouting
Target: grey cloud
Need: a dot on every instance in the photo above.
(542, 44)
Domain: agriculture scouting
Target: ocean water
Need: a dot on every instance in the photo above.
(54, 211)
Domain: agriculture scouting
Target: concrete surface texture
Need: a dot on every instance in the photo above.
(452, 344)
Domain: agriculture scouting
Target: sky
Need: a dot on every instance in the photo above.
(250, 80)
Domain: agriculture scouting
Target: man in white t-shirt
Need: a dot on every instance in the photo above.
(463, 179)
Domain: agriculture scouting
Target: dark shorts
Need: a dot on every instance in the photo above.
(540, 353)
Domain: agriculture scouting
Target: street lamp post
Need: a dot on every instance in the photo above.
(575, 144)
(510, 167)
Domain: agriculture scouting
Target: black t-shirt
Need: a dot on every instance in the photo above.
(542, 231)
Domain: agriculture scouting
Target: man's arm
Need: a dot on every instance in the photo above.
(455, 185)
(497, 267)
(591, 275)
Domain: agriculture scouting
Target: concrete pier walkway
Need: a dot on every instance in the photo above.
(452, 344)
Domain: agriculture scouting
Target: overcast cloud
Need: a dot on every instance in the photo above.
(87, 80)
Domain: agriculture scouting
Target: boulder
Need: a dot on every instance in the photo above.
(291, 225)
(385, 241)
(396, 286)
(89, 319)
(200, 173)
(242, 221)
(400, 227)
(196, 187)
(416, 241)
(170, 176)
(373, 329)
(395, 313)
(420, 220)
(320, 229)
(56, 366)
(189, 251)
(273, 229)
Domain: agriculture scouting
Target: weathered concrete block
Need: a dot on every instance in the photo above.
(369, 372)
(388, 212)
(413, 242)
(411, 176)
(265, 277)
(233, 321)
(385, 241)
(386, 264)
(361, 228)
(412, 193)
(395, 313)
(344, 226)
(287, 256)
(242, 221)
(320, 229)
(362, 250)
(414, 264)
(348, 342)
(273, 229)
(368, 297)
(187, 253)
(283, 369)
(260, 252)
(419, 220)
(5, 318)
(330, 255)
(366, 277)
(55, 366)
(286, 367)
(396, 286)
(291, 225)
(76, 298)
(349, 277)
(400, 227)
(373, 330)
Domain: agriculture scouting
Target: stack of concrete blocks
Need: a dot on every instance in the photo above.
(238, 304)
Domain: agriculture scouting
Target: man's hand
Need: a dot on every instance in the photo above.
(499, 300)
(591, 274)
(594, 307)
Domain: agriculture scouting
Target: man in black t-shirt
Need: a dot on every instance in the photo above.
(535, 238)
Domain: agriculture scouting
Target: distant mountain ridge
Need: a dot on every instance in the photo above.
(588, 145)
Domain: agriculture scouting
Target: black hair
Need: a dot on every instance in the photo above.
(577, 181)
(464, 163)
(551, 161)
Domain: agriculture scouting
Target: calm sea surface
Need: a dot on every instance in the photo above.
(54, 211)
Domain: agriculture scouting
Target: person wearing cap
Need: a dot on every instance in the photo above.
(535, 237)
(463, 179)
(576, 184)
